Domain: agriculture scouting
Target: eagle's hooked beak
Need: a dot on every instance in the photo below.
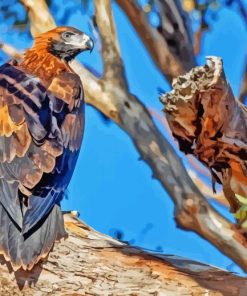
(79, 41)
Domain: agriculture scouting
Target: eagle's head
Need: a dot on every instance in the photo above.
(64, 42)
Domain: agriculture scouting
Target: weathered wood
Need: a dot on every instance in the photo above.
(210, 123)
(90, 263)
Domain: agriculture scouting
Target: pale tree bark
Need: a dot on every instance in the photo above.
(90, 263)
(111, 95)
(10, 51)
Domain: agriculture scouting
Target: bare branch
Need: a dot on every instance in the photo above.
(192, 210)
(110, 47)
(10, 51)
(90, 263)
(39, 16)
(169, 44)
(242, 10)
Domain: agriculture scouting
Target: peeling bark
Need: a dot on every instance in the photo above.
(90, 263)
(208, 122)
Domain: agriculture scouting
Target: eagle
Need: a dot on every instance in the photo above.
(41, 130)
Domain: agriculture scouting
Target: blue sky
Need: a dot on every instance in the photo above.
(111, 188)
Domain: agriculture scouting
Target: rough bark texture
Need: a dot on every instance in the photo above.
(90, 263)
(111, 95)
(208, 122)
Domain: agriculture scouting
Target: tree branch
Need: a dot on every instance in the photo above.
(209, 123)
(39, 16)
(90, 263)
(110, 47)
(192, 210)
(169, 44)
(11, 51)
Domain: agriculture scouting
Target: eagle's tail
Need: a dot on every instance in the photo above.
(26, 251)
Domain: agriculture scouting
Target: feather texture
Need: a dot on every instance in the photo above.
(41, 129)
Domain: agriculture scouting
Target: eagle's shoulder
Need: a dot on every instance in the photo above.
(67, 87)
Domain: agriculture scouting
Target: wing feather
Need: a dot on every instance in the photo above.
(36, 126)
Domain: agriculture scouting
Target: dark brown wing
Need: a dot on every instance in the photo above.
(40, 134)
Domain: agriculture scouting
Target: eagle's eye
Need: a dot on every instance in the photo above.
(67, 35)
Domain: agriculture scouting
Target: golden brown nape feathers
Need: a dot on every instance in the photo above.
(52, 51)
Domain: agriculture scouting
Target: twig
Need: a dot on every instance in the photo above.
(207, 191)
(10, 51)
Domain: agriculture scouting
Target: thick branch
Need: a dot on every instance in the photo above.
(169, 44)
(192, 211)
(90, 263)
(110, 47)
(39, 16)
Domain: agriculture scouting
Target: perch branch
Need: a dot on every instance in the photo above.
(192, 210)
(90, 263)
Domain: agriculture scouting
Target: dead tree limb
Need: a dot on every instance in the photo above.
(192, 210)
(90, 263)
(194, 164)
(208, 122)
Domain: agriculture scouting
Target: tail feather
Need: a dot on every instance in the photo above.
(25, 251)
